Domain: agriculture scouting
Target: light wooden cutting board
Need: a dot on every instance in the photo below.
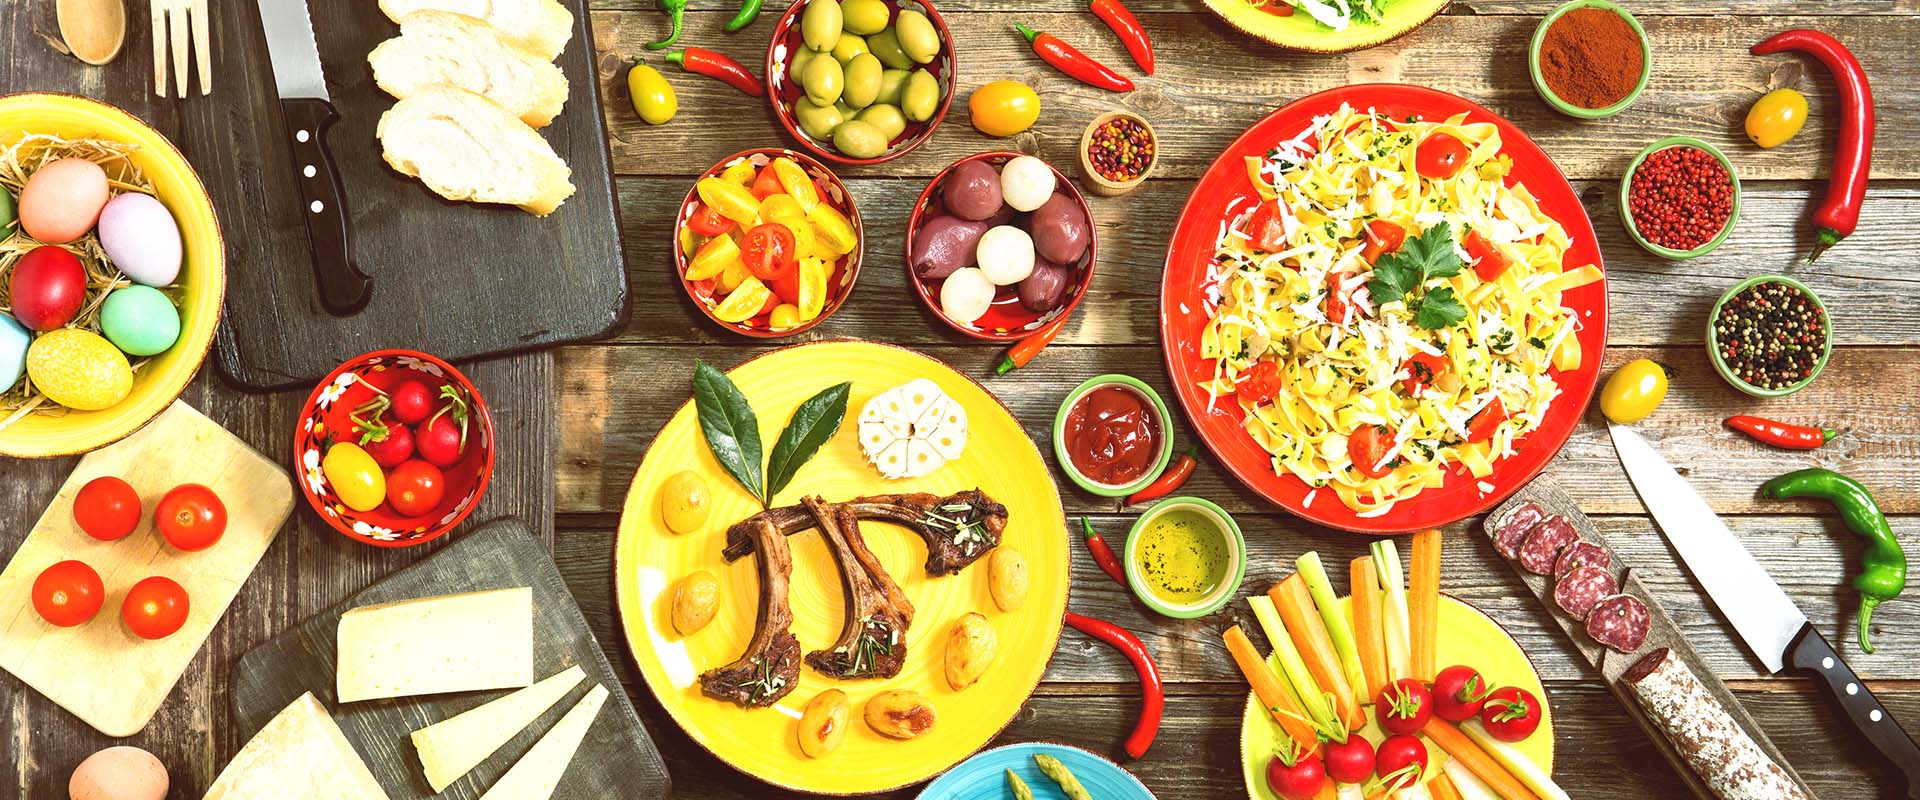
(108, 677)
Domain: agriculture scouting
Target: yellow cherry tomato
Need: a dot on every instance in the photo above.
(741, 173)
(732, 200)
(781, 205)
(1634, 391)
(833, 229)
(713, 258)
(1003, 108)
(744, 302)
(795, 181)
(813, 288)
(653, 97)
(1776, 117)
(784, 316)
(684, 502)
(354, 476)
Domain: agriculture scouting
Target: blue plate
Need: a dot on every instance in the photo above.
(983, 777)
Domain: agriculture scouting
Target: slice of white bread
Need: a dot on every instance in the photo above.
(437, 47)
(466, 147)
(541, 27)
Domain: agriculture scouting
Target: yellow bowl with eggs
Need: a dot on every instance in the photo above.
(202, 281)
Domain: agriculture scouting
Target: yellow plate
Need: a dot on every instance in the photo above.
(1466, 637)
(202, 273)
(1301, 32)
(999, 458)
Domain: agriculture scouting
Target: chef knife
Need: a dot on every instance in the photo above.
(308, 112)
(1768, 621)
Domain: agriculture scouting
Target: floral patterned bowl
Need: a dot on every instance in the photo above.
(329, 416)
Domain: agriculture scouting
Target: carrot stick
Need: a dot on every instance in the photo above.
(1277, 698)
(1310, 637)
(1366, 625)
(1423, 602)
(1327, 792)
(1476, 760)
(1442, 786)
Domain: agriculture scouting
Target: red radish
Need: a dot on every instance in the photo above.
(1458, 693)
(415, 488)
(388, 442)
(1404, 706)
(1401, 761)
(1302, 779)
(1511, 714)
(442, 439)
(1350, 761)
(412, 402)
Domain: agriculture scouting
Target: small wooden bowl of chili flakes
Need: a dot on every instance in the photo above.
(1680, 198)
(1117, 152)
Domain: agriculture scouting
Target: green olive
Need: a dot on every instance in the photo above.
(817, 121)
(848, 47)
(886, 46)
(891, 82)
(917, 37)
(860, 139)
(797, 62)
(824, 80)
(921, 97)
(820, 24)
(885, 117)
(865, 17)
(863, 81)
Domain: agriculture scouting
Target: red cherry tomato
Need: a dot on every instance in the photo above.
(1301, 780)
(1511, 714)
(1404, 755)
(1488, 261)
(1440, 157)
(415, 488)
(191, 516)
(1261, 384)
(1367, 447)
(770, 251)
(1403, 707)
(1266, 229)
(412, 402)
(1339, 305)
(1483, 424)
(107, 508)
(68, 593)
(1422, 370)
(1350, 761)
(1382, 237)
(766, 183)
(786, 288)
(1458, 693)
(708, 222)
(155, 608)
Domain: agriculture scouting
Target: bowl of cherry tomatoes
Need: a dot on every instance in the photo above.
(768, 242)
(394, 448)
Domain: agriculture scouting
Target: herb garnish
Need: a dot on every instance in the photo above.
(965, 525)
(1405, 271)
(732, 431)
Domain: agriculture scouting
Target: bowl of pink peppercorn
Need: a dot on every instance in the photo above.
(1680, 198)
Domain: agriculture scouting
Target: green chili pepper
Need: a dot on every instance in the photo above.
(1069, 785)
(1883, 568)
(677, 14)
(749, 11)
(1018, 787)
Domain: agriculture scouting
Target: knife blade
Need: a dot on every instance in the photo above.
(1767, 620)
(308, 112)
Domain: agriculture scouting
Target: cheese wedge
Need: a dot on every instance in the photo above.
(299, 755)
(451, 747)
(541, 27)
(432, 645)
(537, 774)
(441, 47)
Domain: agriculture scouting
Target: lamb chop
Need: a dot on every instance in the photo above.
(770, 667)
(873, 639)
(959, 529)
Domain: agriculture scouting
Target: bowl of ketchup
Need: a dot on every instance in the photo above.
(1113, 435)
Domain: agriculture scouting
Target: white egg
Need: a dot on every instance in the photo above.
(119, 773)
(965, 295)
(1005, 254)
(141, 238)
(1026, 182)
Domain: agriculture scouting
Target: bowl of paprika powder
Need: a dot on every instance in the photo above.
(1590, 59)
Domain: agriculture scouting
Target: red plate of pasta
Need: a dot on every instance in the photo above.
(1384, 308)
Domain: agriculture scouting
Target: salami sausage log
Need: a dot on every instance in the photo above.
(1582, 554)
(1544, 543)
(1711, 741)
(1578, 591)
(1510, 530)
(1620, 621)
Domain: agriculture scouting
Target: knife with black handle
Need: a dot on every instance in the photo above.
(1809, 653)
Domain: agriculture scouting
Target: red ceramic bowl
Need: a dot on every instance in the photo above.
(1006, 320)
(845, 270)
(326, 418)
(782, 91)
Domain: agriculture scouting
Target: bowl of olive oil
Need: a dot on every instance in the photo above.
(1185, 557)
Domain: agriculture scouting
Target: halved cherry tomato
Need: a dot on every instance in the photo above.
(155, 608)
(1382, 237)
(68, 593)
(1422, 370)
(770, 251)
(1440, 157)
(1278, 8)
(1261, 384)
(1367, 447)
(1339, 305)
(1483, 424)
(708, 222)
(1488, 261)
(766, 184)
(1266, 229)
(191, 517)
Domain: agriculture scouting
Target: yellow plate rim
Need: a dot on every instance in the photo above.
(1385, 33)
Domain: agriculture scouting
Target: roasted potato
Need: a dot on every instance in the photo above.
(1007, 578)
(694, 601)
(900, 715)
(824, 723)
(971, 646)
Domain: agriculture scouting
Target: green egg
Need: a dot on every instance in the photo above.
(140, 320)
(7, 214)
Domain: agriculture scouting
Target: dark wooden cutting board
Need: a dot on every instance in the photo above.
(616, 760)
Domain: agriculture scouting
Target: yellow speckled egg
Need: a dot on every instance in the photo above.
(79, 369)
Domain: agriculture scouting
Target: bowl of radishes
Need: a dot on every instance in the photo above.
(394, 448)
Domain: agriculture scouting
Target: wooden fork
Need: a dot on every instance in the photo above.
(185, 25)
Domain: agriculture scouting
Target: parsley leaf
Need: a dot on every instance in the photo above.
(1404, 271)
(1439, 309)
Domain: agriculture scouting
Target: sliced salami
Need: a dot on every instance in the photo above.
(1543, 544)
(1619, 621)
(1577, 592)
(1582, 554)
(1721, 752)
(1511, 529)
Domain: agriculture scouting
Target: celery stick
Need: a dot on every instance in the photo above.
(1515, 761)
(1292, 667)
(1467, 784)
(1339, 629)
(1386, 561)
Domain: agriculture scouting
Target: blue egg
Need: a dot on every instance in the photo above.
(140, 320)
(13, 350)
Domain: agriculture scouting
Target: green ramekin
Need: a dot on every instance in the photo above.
(1626, 186)
(1236, 550)
(1713, 341)
(1060, 442)
(1569, 109)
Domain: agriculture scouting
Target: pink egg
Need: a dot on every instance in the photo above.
(62, 200)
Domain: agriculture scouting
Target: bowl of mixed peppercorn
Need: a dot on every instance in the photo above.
(1768, 336)
(1117, 151)
(1680, 198)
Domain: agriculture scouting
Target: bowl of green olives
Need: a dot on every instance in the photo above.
(860, 81)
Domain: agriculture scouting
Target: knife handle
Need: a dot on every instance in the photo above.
(344, 289)
(1810, 653)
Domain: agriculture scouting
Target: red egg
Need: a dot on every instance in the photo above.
(47, 289)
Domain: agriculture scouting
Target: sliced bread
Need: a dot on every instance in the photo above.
(441, 47)
(541, 27)
(466, 147)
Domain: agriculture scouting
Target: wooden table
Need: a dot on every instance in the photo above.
(574, 423)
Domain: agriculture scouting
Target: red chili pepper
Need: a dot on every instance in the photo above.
(1152, 696)
(716, 65)
(1168, 481)
(1847, 185)
(1077, 65)
(1128, 28)
(1024, 350)
(1781, 434)
(1103, 555)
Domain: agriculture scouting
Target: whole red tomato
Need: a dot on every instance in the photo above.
(415, 487)
(107, 508)
(155, 608)
(1458, 693)
(1440, 157)
(770, 251)
(1350, 761)
(1400, 761)
(191, 516)
(1511, 714)
(1403, 707)
(68, 593)
(1300, 780)
(411, 400)
(1367, 447)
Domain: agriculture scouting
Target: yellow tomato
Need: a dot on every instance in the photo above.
(781, 205)
(732, 200)
(731, 277)
(1003, 108)
(795, 181)
(784, 316)
(805, 241)
(354, 476)
(813, 287)
(741, 173)
(1634, 391)
(689, 241)
(1776, 117)
(653, 97)
(713, 258)
(835, 231)
(684, 502)
(743, 302)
